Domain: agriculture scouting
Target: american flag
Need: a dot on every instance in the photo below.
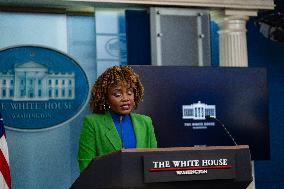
(5, 177)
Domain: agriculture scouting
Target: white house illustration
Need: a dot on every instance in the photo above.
(32, 81)
(198, 111)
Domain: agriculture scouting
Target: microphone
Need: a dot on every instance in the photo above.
(223, 126)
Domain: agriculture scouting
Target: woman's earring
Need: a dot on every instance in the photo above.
(106, 107)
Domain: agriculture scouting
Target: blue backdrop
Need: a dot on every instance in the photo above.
(269, 54)
(263, 52)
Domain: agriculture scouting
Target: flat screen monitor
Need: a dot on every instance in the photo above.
(207, 106)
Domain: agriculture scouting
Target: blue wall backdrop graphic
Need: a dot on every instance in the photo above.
(40, 87)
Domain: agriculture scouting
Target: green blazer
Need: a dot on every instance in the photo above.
(99, 136)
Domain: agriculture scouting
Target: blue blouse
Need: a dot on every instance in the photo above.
(124, 127)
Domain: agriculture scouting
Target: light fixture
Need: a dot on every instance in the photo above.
(271, 26)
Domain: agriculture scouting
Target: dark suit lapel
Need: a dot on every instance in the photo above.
(111, 132)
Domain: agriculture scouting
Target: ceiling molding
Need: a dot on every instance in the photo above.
(237, 4)
(90, 5)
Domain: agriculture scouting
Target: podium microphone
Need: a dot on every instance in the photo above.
(223, 126)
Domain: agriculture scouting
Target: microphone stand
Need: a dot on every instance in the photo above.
(223, 126)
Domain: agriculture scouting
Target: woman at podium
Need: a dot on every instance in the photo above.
(112, 125)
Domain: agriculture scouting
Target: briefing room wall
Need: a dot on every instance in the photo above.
(47, 158)
(263, 52)
(74, 35)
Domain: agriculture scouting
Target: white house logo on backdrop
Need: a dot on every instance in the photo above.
(198, 111)
(196, 114)
(116, 47)
(32, 81)
(40, 87)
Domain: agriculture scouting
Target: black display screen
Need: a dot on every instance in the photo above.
(188, 106)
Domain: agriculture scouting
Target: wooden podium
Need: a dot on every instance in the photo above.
(216, 167)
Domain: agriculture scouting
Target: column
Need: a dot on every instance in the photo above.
(232, 36)
(233, 42)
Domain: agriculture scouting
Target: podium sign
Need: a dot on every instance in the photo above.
(189, 165)
(219, 167)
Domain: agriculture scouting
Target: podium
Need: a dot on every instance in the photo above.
(212, 167)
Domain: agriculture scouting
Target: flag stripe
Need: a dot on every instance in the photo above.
(3, 184)
(5, 170)
(5, 177)
(4, 147)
